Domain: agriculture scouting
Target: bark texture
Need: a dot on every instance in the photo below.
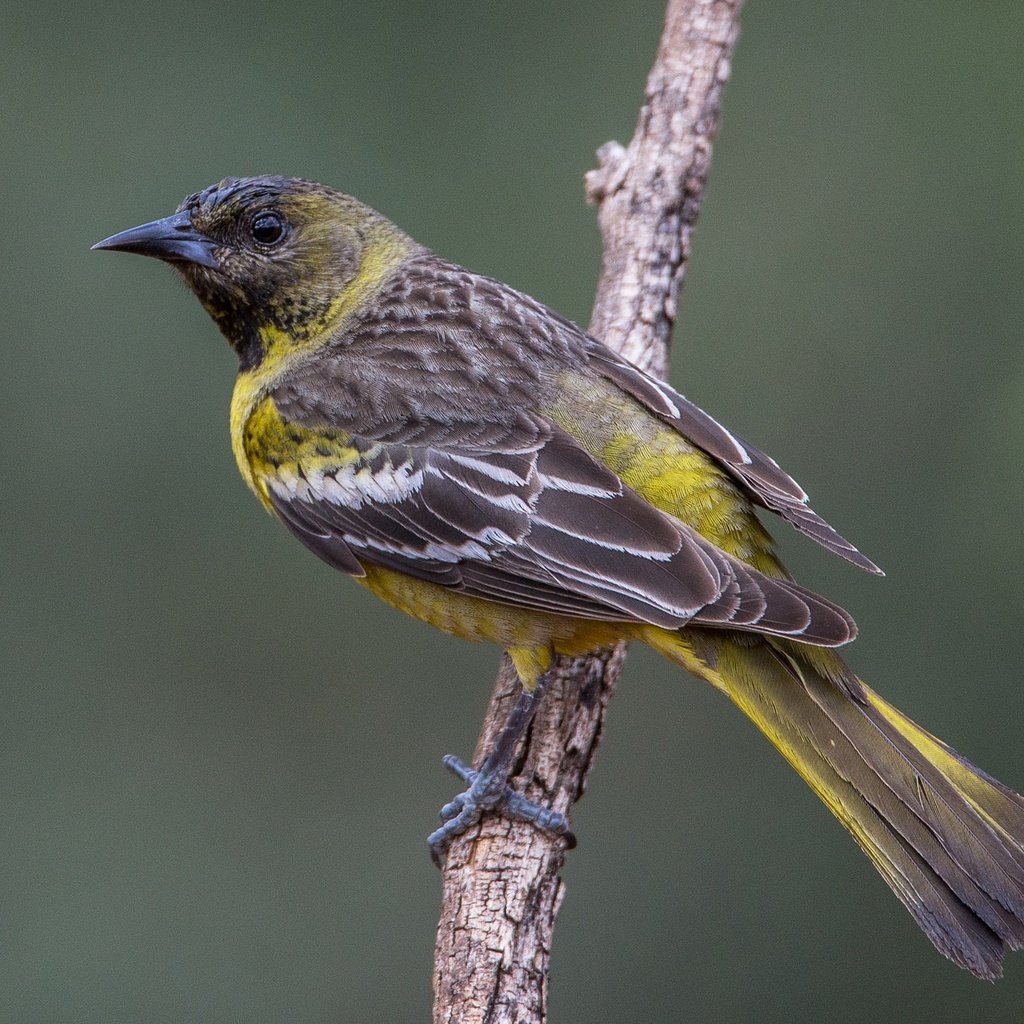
(502, 889)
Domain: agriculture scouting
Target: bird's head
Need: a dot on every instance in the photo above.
(275, 261)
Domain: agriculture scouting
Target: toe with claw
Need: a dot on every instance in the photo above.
(489, 791)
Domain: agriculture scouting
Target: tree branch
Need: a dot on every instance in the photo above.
(501, 886)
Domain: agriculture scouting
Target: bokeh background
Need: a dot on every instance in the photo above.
(220, 759)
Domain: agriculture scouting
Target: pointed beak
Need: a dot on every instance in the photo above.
(172, 239)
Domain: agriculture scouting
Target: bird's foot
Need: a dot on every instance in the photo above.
(489, 791)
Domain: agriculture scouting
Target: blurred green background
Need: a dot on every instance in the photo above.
(220, 759)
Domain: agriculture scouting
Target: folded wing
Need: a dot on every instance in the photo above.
(550, 529)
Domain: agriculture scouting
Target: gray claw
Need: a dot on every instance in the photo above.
(487, 792)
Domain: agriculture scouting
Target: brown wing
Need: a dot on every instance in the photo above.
(462, 482)
(550, 529)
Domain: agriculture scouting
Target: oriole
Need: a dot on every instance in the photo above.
(481, 463)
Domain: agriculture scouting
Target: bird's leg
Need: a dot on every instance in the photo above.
(489, 789)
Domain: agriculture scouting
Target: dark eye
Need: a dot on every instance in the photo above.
(267, 228)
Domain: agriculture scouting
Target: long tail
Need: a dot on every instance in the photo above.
(947, 838)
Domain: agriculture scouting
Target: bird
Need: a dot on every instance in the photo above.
(483, 464)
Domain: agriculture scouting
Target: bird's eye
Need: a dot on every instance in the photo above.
(267, 228)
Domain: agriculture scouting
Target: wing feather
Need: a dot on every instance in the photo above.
(554, 531)
(769, 485)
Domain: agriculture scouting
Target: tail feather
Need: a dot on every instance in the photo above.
(923, 811)
(946, 837)
(999, 805)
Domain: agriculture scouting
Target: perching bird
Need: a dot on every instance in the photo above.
(483, 464)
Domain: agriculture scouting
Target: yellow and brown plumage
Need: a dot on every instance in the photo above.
(481, 463)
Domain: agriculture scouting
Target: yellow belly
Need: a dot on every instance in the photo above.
(473, 618)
